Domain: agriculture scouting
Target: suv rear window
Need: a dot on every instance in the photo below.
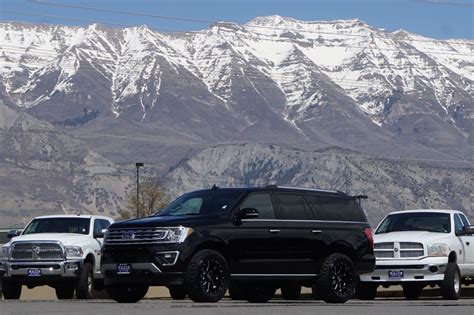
(336, 209)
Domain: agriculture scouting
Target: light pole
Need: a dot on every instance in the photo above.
(138, 165)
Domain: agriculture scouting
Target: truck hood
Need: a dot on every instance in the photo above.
(411, 236)
(65, 238)
(168, 221)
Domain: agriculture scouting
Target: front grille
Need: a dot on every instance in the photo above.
(396, 250)
(37, 251)
(135, 236)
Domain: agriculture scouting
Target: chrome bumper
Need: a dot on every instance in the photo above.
(425, 270)
(65, 268)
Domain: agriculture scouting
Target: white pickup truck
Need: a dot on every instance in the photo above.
(62, 251)
(417, 248)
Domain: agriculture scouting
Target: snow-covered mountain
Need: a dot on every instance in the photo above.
(313, 83)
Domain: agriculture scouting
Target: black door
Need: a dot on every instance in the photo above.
(253, 245)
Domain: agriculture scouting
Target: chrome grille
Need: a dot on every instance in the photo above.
(397, 250)
(135, 236)
(37, 251)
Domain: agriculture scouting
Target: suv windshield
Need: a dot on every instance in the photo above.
(416, 221)
(58, 225)
(202, 203)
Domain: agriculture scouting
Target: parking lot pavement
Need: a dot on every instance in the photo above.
(227, 306)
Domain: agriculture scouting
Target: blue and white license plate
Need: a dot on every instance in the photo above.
(124, 269)
(395, 274)
(34, 272)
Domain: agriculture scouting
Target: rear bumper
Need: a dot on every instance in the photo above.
(430, 269)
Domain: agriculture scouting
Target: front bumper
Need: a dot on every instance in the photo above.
(430, 269)
(140, 273)
(55, 270)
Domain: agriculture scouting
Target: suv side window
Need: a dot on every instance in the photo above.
(262, 202)
(292, 207)
(336, 209)
(457, 223)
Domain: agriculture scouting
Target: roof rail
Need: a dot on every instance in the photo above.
(308, 189)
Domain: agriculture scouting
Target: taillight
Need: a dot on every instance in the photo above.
(368, 233)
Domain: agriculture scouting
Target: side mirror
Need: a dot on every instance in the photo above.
(100, 234)
(467, 230)
(13, 233)
(246, 213)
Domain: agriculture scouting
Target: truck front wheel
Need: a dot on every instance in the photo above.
(451, 285)
(11, 290)
(85, 283)
(124, 293)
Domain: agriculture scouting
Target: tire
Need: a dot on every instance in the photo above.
(236, 291)
(337, 279)
(124, 293)
(291, 291)
(65, 291)
(451, 285)
(207, 276)
(177, 292)
(366, 291)
(412, 291)
(11, 290)
(85, 284)
(259, 293)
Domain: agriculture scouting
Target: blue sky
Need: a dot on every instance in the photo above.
(438, 20)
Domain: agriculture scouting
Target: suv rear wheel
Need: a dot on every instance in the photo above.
(366, 291)
(291, 291)
(177, 292)
(259, 293)
(337, 279)
(11, 290)
(451, 285)
(207, 276)
(124, 293)
(65, 291)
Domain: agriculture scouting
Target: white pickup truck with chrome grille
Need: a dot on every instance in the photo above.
(62, 251)
(417, 248)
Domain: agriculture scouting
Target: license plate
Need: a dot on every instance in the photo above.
(34, 272)
(124, 269)
(398, 274)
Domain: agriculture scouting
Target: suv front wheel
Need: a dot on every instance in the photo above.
(337, 279)
(207, 276)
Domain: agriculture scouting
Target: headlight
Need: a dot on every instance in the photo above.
(438, 250)
(5, 253)
(177, 235)
(73, 251)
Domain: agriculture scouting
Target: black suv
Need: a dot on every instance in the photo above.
(250, 240)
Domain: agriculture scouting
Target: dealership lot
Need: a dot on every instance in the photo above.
(167, 306)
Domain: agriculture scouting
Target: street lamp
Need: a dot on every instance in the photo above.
(138, 165)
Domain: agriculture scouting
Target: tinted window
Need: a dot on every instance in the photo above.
(457, 223)
(261, 202)
(59, 225)
(292, 207)
(416, 221)
(336, 209)
(99, 225)
(202, 203)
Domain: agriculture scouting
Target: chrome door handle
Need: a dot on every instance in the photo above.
(316, 231)
(274, 231)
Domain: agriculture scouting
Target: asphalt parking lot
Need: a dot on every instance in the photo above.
(396, 306)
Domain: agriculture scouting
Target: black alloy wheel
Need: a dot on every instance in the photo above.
(337, 279)
(207, 276)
